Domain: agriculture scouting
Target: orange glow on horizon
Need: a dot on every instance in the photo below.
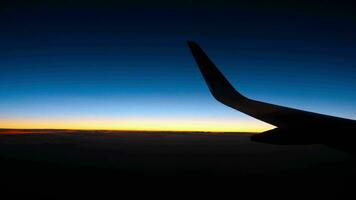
(205, 125)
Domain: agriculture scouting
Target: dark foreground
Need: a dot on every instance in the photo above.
(103, 165)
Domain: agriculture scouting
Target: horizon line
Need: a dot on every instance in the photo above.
(123, 130)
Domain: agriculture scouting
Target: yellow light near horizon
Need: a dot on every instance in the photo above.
(208, 125)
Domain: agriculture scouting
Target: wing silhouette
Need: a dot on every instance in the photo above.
(293, 126)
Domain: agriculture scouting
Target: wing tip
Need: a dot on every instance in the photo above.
(191, 43)
(218, 85)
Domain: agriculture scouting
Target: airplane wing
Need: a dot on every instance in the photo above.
(284, 118)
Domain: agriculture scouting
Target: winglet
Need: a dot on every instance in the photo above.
(218, 85)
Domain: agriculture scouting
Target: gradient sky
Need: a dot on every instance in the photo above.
(93, 65)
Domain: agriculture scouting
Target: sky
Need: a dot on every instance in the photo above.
(126, 66)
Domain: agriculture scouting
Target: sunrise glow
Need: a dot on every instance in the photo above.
(138, 124)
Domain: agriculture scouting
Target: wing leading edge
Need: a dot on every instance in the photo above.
(290, 122)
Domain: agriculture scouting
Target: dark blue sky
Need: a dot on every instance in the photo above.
(110, 65)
